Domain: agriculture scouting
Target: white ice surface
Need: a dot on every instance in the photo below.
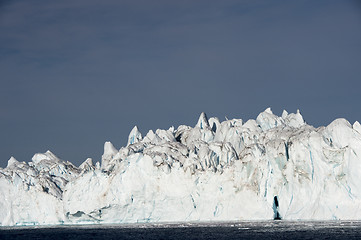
(215, 171)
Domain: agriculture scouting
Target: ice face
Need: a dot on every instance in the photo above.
(269, 168)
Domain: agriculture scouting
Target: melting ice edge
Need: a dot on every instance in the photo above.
(268, 168)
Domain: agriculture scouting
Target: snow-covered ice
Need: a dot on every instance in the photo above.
(274, 166)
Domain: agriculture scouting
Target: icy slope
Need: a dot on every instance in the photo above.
(271, 167)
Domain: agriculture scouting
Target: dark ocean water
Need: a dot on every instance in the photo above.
(229, 230)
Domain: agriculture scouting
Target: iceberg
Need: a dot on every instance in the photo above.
(273, 167)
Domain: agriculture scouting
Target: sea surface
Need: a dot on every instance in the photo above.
(223, 230)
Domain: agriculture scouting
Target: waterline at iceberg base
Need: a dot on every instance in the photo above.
(268, 168)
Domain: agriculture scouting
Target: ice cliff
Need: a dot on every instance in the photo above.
(271, 167)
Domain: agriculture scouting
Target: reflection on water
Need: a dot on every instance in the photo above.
(224, 230)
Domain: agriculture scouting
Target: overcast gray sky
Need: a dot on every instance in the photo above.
(75, 74)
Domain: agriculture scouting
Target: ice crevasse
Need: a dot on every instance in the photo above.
(274, 167)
